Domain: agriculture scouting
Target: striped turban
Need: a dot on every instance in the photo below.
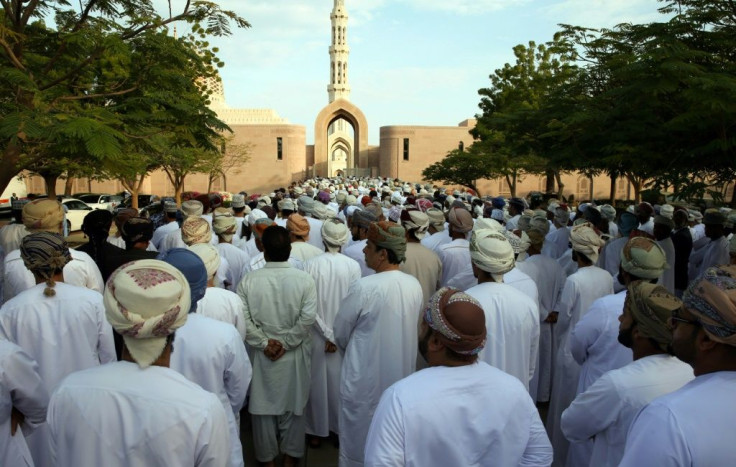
(44, 254)
(145, 302)
(224, 224)
(390, 236)
(652, 306)
(711, 298)
(457, 320)
(335, 234)
(491, 251)
(586, 241)
(195, 230)
(43, 215)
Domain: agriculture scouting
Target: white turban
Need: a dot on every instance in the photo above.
(436, 218)
(209, 255)
(335, 234)
(585, 240)
(146, 301)
(491, 252)
(667, 210)
(417, 220)
(255, 215)
(608, 212)
(192, 208)
(483, 223)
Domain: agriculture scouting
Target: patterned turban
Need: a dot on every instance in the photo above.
(306, 204)
(195, 230)
(652, 306)
(363, 219)
(238, 201)
(643, 258)
(711, 298)
(586, 241)
(255, 215)
(146, 301)
(460, 219)
(394, 213)
(137, 229)
(436, 218)
(518, 243)
(323, 196)
(413, 219)
(209, 255)
(45, 253)
(224, 224)
(192, 208)
(423, 204)
(492, 252)
(390, 236)
(261, 225)
(483, 223)
(298, 225)
(458, 321)
(43, 215)
(335, 234)
(497, 215)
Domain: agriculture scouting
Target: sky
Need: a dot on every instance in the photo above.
(412, 62)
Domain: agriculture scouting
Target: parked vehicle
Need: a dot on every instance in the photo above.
(17, 186)
(100, 201)
(143, 201)
(77, 210)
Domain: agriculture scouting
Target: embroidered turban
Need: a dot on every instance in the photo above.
(195, 230)
(192, 208)
(43, 215)
(146, 301)
(286, 205)
(209, 255)
(137, 229)
(224, 224)
(711, 298)
(518, 243)
(536, 237)
(643, 258)
(415, 220)
(390, 236)
(436, 218)
(458, 321)
(322, 212)
(585, 240)
(238, 202)
(45, 253)
(423, 204)
(524, 223)
(652, 306)
(374, 209)
(335, 234)
(298, 225)
(460, 219)
(491, 251)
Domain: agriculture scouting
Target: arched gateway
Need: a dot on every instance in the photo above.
(336, 110)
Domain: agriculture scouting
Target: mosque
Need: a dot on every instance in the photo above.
(280, 155)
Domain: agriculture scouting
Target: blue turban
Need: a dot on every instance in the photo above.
(626, 223)
(193, 268)
(498, 202)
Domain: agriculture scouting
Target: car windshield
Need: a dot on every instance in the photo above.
(89, 198)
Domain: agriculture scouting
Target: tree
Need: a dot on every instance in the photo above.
(232, 159)
(64, 80)
(462, 168)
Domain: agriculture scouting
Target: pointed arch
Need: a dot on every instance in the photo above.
(340, 108)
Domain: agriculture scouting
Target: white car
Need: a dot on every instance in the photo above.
(100, 201)
(76, 211)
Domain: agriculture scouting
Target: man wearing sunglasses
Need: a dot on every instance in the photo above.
(694, 425)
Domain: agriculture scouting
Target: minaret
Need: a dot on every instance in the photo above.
(339, 51)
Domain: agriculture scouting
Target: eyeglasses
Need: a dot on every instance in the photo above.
(675, 318)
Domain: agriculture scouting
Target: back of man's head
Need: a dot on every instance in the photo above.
(276, 244)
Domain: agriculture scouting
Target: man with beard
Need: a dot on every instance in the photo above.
(693, 425)
(606, 409)
(460, 411)
(359, 222)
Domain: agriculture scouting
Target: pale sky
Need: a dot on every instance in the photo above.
(412, 62)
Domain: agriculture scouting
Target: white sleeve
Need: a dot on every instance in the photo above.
(105, 342)
(585, 333)
(592, 411)
(238, 373)
(20, 377)
(213, 445)
(385, 443)
(655, 440)
(538, 451)
(348, 316)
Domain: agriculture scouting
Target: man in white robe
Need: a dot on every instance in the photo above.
(61, 326)
(299, 233)
(240, 211)
(715, 252)
(306, 206)
(46, 215)
(359, 223)
(170, 224)
(224, 226)
(93, 412)
(209, 352)
(516, 208)
(580, 291)
(376, 329)
(173, 239)
(460, 411)
(23, 403)
(645, 214)
(333, 273)
(549, 278)
(557, 241)
(455, 255)
(694, 425)
(438, 234)
(512, 318)
(605, 410)
(280, 306)
(12, 233)
(662, 233)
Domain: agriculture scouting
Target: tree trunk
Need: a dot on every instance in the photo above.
(733, 197)
(210, 180)
(511, 182)
(89, 184)
(177, 192)
(68, 186)
(612, 194)
(8, 169)
(560, 185)
(550, 188)
(50, 181)
(590, 179)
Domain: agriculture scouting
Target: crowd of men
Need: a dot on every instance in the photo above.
(419, 326)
